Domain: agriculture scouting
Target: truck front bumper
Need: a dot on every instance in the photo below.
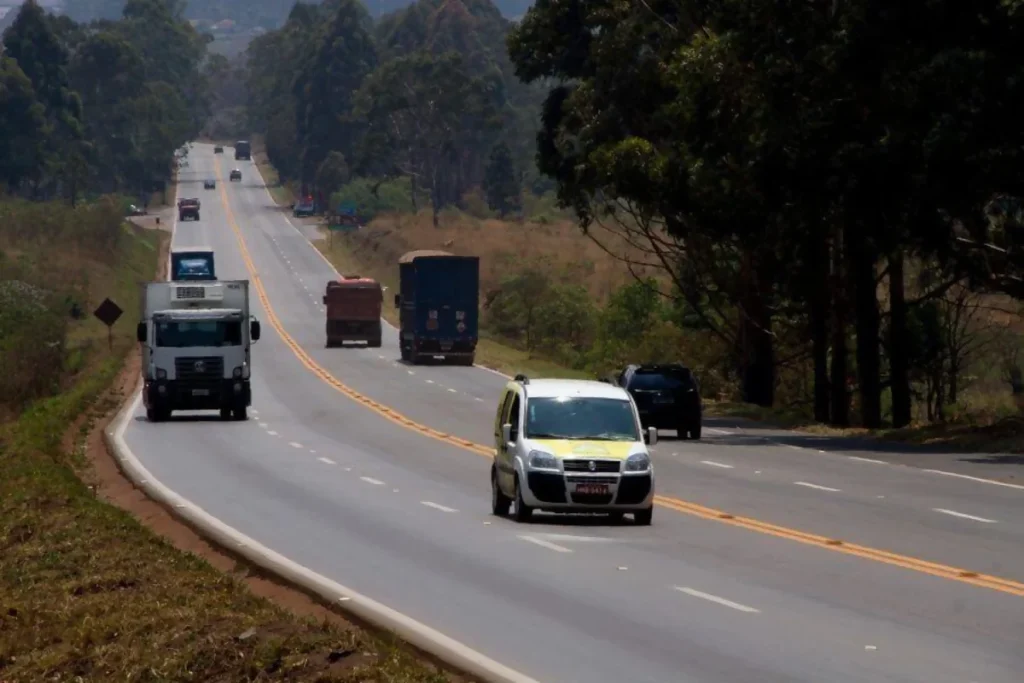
(175, 395)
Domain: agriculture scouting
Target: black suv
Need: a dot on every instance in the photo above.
(667, 396)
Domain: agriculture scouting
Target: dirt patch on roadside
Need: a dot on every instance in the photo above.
(103, 475)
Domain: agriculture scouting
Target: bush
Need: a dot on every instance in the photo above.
(392, 196)
(33, 335)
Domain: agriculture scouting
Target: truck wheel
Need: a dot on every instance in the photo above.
(466, 360)
(197, 216)
(154, 415)
(241, 413)
(374, 343)
(405, 354)
(416, 358)
(225, 413)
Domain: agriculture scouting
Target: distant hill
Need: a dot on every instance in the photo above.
(247, 14)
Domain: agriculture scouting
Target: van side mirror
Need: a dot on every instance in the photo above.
(398, 300)
(254, 330)
(140, 332)
(506, 434)
(652, 436)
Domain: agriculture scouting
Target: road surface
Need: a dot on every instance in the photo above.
(403, 517)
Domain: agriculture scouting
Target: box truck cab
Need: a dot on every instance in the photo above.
(192, 264)
(196, 340)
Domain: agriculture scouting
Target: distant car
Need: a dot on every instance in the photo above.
(304, 207)
(235, 175)
(188, 208)
(667, 396)
(218, 150)
(209, 184)
(136, 210)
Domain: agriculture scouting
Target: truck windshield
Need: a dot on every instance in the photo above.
(192, 266)
(199, 333)
(599, 419)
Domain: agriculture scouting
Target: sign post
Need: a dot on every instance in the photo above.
(108, 313)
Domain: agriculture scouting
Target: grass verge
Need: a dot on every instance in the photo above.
(87, 592)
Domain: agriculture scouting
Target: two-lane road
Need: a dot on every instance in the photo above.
(403, 517)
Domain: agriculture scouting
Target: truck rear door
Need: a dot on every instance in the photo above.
(447, 292)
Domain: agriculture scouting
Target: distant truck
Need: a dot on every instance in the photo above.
(353, 311)
(243, 150)
(188, 208)
(196, 340)
(192, 264)
(438, 304)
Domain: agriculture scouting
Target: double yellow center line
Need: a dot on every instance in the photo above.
(835, 545)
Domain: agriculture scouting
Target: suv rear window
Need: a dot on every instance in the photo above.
(662, 380)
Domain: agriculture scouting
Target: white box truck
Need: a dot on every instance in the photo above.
(196, 339)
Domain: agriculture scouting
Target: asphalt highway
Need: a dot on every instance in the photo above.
(404, 518)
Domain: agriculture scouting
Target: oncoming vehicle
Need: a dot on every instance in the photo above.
(667, 396)
(218, 149)
(209, 184)
(571, 446)
(235, 174)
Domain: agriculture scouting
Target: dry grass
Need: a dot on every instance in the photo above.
(504, 247)
(89, 593)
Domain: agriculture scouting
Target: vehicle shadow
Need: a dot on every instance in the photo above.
(186, 418)
(575, 520)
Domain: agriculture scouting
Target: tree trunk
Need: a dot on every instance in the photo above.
(819, 327)
(756, 342)
(865, 293)
(840, 397)
(899, 358)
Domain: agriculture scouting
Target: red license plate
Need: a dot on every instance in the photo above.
(592, 489)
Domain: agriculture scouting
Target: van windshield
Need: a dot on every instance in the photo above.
(594, 419)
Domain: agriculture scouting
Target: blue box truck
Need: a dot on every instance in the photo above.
(438, 306)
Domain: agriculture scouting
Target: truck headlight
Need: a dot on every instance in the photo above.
(539, 460)
(638, 462)
(237, 372)
(161, 373)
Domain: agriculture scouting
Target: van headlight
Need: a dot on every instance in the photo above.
(161, 373)
(638, 462)
(539, 460)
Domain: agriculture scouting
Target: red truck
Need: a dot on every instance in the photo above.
(188, 208)
(353, 311)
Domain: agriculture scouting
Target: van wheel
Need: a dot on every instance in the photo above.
(523, 512)
(374, 343)
(500, 503)
(154, 415)
(241, 413)
(643, 517)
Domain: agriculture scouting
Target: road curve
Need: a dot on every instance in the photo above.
(403, 518)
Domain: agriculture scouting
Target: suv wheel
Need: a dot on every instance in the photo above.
(500, 503)
(523, 512)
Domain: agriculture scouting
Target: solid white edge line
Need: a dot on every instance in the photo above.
(417, 634)
(963, 515)
(331, 265)
(545, 544)
(816, 486)
(978, 479)
(714, 598)
(871, 460)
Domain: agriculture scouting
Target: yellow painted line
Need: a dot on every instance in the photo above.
(835, 545)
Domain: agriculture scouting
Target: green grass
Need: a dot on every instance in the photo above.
(87, 592)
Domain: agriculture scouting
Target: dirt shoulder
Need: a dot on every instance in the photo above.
(94, 584)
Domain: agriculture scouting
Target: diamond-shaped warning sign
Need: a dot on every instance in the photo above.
(108, 312)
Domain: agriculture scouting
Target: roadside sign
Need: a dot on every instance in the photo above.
(108, 313)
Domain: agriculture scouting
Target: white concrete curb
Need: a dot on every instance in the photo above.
(331, 265)
(449, 651)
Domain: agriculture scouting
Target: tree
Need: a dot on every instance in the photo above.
(333, 173)
(22, 125)
(500, 182)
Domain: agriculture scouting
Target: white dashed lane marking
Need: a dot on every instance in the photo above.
(272, 433)
(714, 464)
(816, 486)
(545, 544)
(295, 444)
(371, 480)
(692, 592)
(327, 461)
(962, 515)
(436, 506)
(871, 460)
